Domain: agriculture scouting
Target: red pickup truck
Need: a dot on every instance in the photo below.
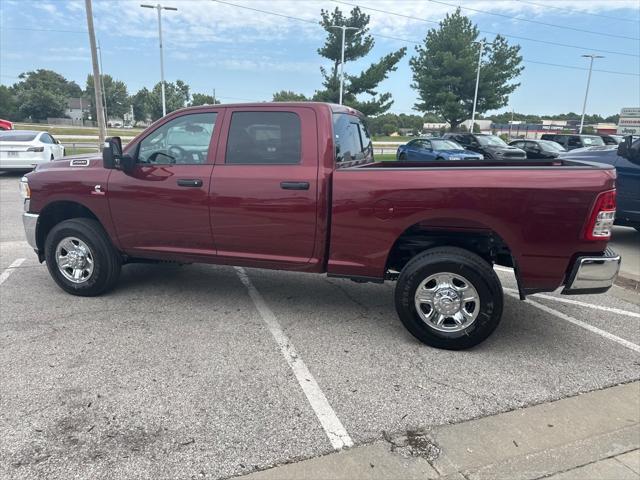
(293, 186)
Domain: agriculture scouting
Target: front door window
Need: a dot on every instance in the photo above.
(183, 141)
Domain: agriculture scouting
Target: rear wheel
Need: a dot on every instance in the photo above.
(449, 298)
(439, 159)
(80, 257)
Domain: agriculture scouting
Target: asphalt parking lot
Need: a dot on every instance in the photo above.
(202, 372)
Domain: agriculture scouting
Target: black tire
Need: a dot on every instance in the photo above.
(106, 260)
(439, 159)
(402, 157)
(460, 262)
(52, 158)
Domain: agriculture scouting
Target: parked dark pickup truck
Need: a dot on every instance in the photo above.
(625, 157)
(293, 186)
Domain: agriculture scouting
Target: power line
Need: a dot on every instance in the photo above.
(546, 42)
(581, 68)
(405, 40)
(313, 22)
(621, 19)
(537, 22)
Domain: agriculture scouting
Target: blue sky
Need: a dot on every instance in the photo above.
(247, 55)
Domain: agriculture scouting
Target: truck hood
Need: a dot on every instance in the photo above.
(81, 161)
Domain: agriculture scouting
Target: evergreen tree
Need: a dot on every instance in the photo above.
(357, 45)
(444, 70)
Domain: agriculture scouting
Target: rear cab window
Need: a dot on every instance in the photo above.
(352, 141)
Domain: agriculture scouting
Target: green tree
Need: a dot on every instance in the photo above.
(289, 96)
(141, 105)
(202, 99)
(176, 96)
(8, 105)
(115, 92)
(444, 70)
(357, 45)
(43, 93)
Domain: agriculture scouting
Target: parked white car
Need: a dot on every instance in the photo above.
(24, 149)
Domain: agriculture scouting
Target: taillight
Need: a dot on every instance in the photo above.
(35, 149)
(602, 217)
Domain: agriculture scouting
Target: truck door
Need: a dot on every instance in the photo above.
(162, 205)
(264, 186)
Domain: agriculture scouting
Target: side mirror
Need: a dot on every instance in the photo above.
(111, 152)
(626, 150)
(112, 157)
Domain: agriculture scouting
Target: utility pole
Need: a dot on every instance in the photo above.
(475, 95)
(160, 8)
(97, 87)
(586, 94)
(214, 96)
(344, 29)
(104, 92)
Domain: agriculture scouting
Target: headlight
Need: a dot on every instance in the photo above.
(25, 191)
(35, 149)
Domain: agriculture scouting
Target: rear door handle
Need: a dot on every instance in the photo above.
(294, 185)
(189, 182)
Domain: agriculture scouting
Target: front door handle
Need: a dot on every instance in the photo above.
(189, 182)
(294, 185)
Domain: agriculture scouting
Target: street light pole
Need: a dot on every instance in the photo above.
(160, 8)
(475, 95)
(344, 29)
(586, 94)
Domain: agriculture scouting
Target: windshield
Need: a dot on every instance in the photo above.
(445, 145)
(552, 146)
(491, 140)
(17, 136)
(591, 141)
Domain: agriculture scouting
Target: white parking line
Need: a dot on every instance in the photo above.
(331, 424)
(9, 270)
(580, 323)
(619, 311)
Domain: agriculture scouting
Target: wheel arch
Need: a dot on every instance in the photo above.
(477, 238)
(56, 212)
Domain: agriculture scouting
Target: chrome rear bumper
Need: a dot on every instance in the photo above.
(30, 222)
(593, 274)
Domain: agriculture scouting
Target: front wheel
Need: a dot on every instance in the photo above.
(80, 257)
(449, 298)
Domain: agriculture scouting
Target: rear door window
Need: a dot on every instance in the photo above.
(271, 138)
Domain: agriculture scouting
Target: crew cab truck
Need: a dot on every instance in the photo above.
(294, 186)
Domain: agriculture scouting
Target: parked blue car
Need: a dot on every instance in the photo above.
(626, 159)
(439, 149)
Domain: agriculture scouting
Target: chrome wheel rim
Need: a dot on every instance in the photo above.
(74, 259)
(447, 302)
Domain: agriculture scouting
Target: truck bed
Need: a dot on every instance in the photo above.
(537, 208)
(412, 165)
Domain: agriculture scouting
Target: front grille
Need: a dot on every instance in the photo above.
(514, 155)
